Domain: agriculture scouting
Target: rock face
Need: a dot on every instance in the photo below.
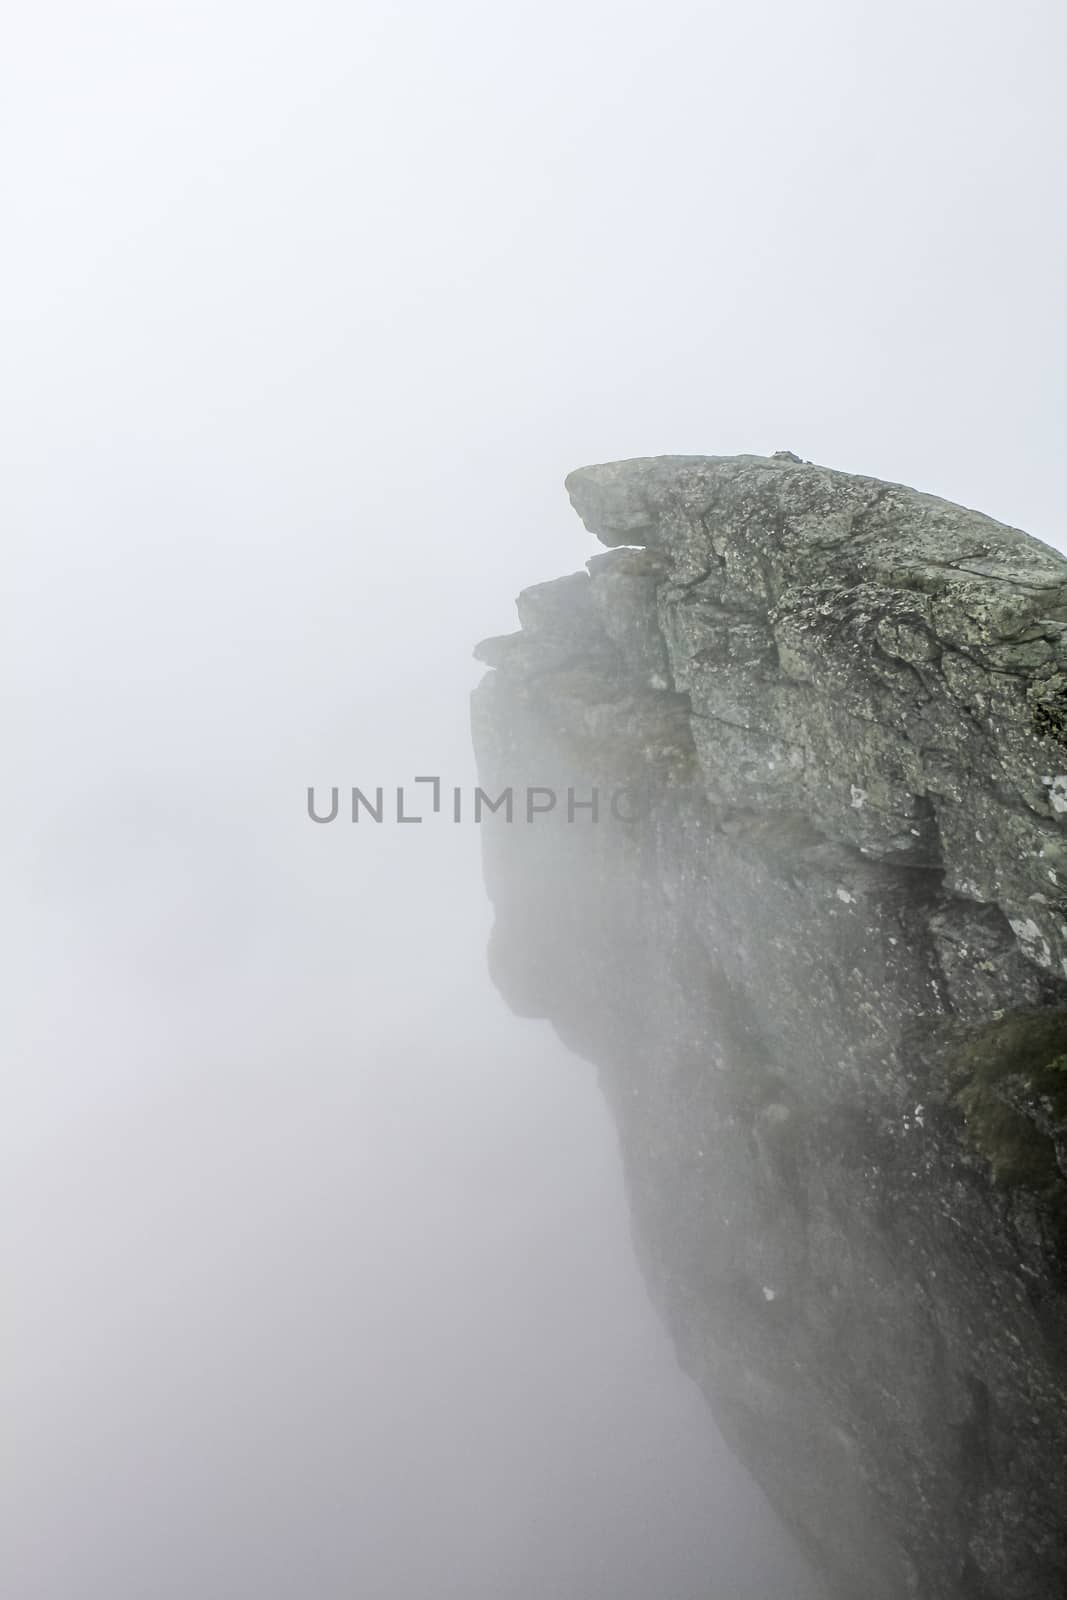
(817, 949)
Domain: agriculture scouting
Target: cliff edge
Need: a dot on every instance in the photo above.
(794, 876)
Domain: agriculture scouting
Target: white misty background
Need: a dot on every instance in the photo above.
(317, 1259)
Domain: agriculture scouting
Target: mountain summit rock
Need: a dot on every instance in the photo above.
(823, 974)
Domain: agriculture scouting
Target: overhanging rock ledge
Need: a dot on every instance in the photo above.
(822, 977)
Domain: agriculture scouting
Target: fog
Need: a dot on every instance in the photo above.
(318, 1259)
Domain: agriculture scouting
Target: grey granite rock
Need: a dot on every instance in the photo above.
(821, 973)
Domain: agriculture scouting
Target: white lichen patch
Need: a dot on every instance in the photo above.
(1057, 792)
(1032, 940)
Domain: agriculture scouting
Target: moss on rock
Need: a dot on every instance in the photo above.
(1012, 1089)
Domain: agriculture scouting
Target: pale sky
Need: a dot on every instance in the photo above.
(320, 1262)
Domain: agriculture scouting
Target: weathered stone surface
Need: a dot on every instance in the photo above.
(822, 976)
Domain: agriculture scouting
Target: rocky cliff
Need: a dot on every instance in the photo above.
(814, 936)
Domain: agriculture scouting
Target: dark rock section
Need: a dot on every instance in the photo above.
(821, 970)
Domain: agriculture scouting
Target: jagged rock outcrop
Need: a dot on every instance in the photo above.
(818, 954)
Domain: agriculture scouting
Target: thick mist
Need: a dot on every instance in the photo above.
(318, 1259)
